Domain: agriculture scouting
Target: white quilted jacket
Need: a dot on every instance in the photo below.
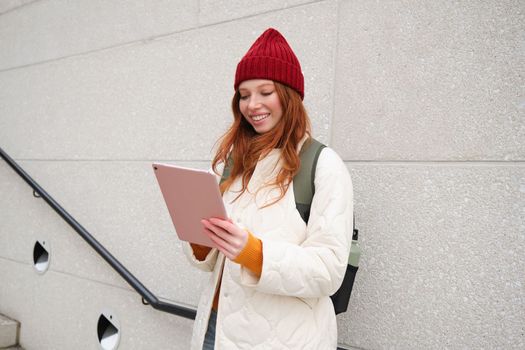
(289, 306)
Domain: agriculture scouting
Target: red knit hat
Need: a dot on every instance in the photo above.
(270, 57)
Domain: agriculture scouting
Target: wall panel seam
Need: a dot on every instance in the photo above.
(18, 7)
(15, 261)
(146, 40)
(351, 161)
(68, 274)
(334, 76)
(438, 162)
(263, 12)
(206, 161)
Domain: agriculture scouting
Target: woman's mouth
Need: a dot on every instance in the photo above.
(260, 117)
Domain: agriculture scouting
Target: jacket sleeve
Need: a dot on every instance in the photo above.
(208, 264)
(316, 267)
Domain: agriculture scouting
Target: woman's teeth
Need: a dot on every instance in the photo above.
(260, 117)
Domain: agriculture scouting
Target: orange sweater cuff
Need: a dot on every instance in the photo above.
(200, 251)
(251, 256)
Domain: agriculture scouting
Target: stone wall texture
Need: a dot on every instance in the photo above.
(424, 101)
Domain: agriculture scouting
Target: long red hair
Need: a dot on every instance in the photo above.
(246, 146)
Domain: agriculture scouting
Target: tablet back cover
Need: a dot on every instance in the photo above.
(190, 195)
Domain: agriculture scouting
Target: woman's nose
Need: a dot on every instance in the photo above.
(254, 103)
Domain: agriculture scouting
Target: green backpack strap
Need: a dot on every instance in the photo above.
(303, 182)
(304, 189)
(227, 169)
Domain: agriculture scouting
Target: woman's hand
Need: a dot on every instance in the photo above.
(229, 238)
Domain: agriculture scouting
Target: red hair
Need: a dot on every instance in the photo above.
(246, 146)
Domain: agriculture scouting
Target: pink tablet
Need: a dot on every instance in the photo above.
(191, 195)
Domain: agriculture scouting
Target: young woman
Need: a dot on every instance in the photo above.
(273, 274)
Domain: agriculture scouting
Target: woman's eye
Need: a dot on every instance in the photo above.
(244, 97)
(267, 93)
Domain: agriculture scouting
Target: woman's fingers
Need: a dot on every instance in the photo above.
(221, 238)
(220, 243)
(228, 236)
(225, 225)
(219, 231)
(240, 235)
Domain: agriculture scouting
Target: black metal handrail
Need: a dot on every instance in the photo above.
(148, 296)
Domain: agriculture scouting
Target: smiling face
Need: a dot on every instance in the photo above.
(259, 104)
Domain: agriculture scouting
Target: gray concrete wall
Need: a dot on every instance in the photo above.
(423, 100)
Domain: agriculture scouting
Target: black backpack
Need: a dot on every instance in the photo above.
(304, 189)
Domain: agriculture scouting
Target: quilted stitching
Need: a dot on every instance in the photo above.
(289, 306)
